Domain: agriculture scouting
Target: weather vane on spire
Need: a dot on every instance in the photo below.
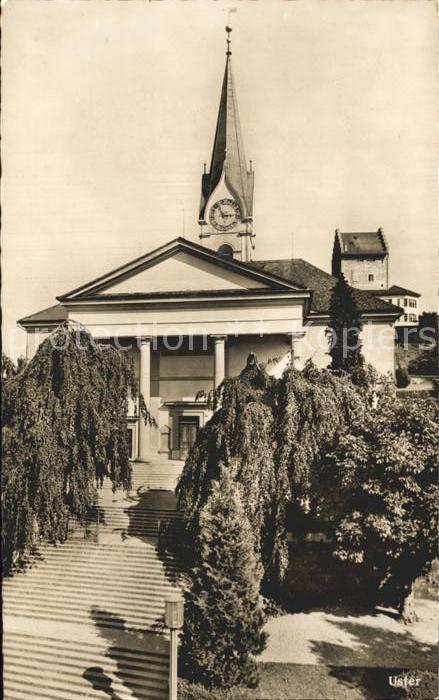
(228, 40)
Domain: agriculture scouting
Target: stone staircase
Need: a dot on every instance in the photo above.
(64, 669)
(85, 619)
(158, 474)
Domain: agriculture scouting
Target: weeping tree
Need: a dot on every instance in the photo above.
(64, 429)
(311, 406)
(237, 440)
(269, 435)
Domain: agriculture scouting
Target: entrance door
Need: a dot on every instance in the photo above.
(188, 429)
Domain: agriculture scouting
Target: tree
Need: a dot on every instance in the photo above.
(223, 611)
(64, 428)
(269, 434)
(379, 492)
(344, 329)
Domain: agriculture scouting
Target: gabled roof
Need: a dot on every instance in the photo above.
(53, 315)
(322, 283)
(281, 274)
(395, 290)
(352, 244)
(263, 278)
(228, 155)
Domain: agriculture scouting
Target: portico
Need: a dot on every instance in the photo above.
(175, 377)
(175, 382)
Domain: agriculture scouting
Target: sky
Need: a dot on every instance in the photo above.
(109, 112)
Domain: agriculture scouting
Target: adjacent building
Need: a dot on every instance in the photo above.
(407, 300)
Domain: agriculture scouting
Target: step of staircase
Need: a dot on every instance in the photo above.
(110, 592)
(158, 474)
(60, 669)
(68, 581)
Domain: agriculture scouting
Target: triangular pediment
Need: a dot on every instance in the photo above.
(181, 272)
(178, 267)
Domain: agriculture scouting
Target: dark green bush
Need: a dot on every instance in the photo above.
(402, 377)
(224, 614)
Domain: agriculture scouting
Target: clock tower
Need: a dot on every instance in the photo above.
(226, 205)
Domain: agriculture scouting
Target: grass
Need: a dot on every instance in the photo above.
(308, 682)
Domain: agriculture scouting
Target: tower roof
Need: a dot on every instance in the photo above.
(228, 155)
(353, 244)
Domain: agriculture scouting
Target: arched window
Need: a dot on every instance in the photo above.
(226, 251)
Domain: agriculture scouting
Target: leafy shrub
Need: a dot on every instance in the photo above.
(379, 491)
(426, 362)
(224, 615)
(402, 377)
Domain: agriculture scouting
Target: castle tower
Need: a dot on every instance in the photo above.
(363, 258)
(226, 205)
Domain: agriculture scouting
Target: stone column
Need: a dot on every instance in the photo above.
(219, 359)
(32, 342)
(296, 340)
(144, 344)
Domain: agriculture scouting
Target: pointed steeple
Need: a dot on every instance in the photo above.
(228, 156)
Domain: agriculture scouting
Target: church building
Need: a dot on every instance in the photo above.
(192, 310)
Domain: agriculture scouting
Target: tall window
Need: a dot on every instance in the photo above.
(130, 435)
(226, 251)
(371, 278)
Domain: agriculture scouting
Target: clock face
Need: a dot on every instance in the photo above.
(224, 214)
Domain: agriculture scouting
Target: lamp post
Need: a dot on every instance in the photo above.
(174, 610)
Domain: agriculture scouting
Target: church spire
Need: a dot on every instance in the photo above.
(228, 158)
